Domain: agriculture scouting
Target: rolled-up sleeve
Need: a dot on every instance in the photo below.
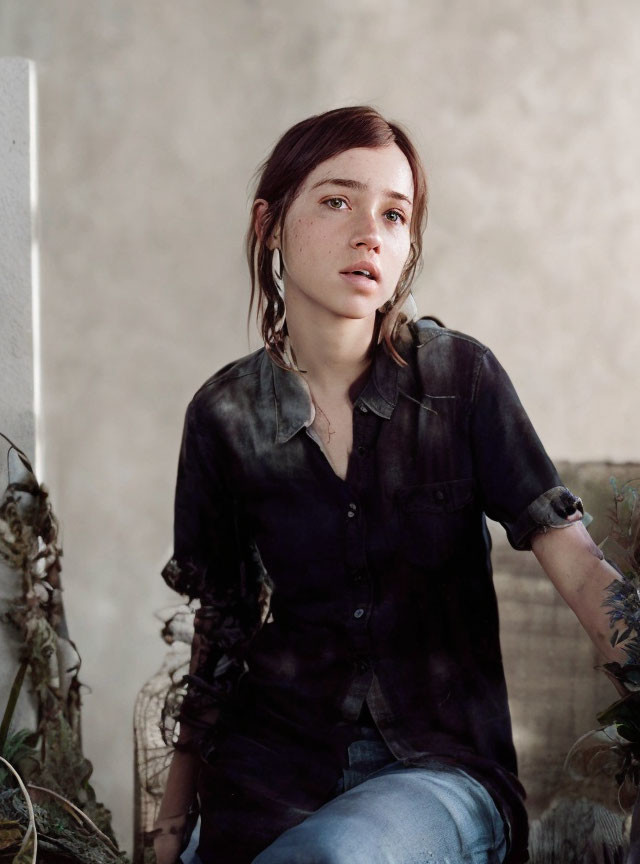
(211, 562)
(518, 482)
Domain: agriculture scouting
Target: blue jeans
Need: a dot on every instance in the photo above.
(386, 813)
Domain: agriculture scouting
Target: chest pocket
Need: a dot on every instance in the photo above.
(436, 520)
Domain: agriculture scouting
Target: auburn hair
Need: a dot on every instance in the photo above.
(279, 178)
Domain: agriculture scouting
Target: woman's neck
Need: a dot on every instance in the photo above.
(332, 352)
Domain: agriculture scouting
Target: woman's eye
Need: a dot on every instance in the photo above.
(395, 216)
(335, 203)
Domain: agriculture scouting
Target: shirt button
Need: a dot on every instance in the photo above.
(358, 613)
(440, 495)
(363, 408)
(361, 450)
(352, 510)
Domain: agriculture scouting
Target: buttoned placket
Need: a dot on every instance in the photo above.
(360, 588)
(372, 408)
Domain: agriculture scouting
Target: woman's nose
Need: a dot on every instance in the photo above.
(366, 232)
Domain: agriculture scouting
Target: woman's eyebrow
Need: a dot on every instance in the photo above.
(361, 187)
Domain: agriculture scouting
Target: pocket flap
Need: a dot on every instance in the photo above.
(436, 497)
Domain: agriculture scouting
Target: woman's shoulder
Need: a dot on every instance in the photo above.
(438, 346)
(428, 328)
(248, 365)
(447, 361)
(235, 381)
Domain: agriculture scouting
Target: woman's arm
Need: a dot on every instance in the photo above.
(214, 561)
(179, 794)
(577, 568)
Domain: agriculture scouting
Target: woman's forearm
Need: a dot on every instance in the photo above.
(577, 568)
(180, 790)
(179, 795)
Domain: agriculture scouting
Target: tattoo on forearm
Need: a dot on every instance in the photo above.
(623, 603)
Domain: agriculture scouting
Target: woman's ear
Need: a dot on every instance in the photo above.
(260, 214)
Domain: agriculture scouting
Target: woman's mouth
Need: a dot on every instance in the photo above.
(362, 271)
(359, 278)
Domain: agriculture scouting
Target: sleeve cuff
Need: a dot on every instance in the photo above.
(183, 577)
(552, 509)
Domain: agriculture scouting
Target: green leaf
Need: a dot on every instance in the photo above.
(11, 703)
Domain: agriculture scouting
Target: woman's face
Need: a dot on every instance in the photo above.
(352, 213)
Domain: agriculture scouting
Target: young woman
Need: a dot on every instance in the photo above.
(343, 473)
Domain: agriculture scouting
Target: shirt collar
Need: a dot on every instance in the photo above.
(294, 408)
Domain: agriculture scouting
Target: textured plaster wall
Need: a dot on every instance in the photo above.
(17, 234)
(17, 414)
(154, 114)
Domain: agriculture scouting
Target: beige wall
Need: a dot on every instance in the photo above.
(153, 115)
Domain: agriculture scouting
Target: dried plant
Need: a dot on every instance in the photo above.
(65, 817)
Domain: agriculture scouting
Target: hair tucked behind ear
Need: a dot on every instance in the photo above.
(281, 175)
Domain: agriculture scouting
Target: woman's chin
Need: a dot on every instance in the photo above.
(359, 308)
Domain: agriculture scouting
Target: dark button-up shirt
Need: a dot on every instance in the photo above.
(381, 584)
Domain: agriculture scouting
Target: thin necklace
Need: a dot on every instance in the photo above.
(330, 430)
